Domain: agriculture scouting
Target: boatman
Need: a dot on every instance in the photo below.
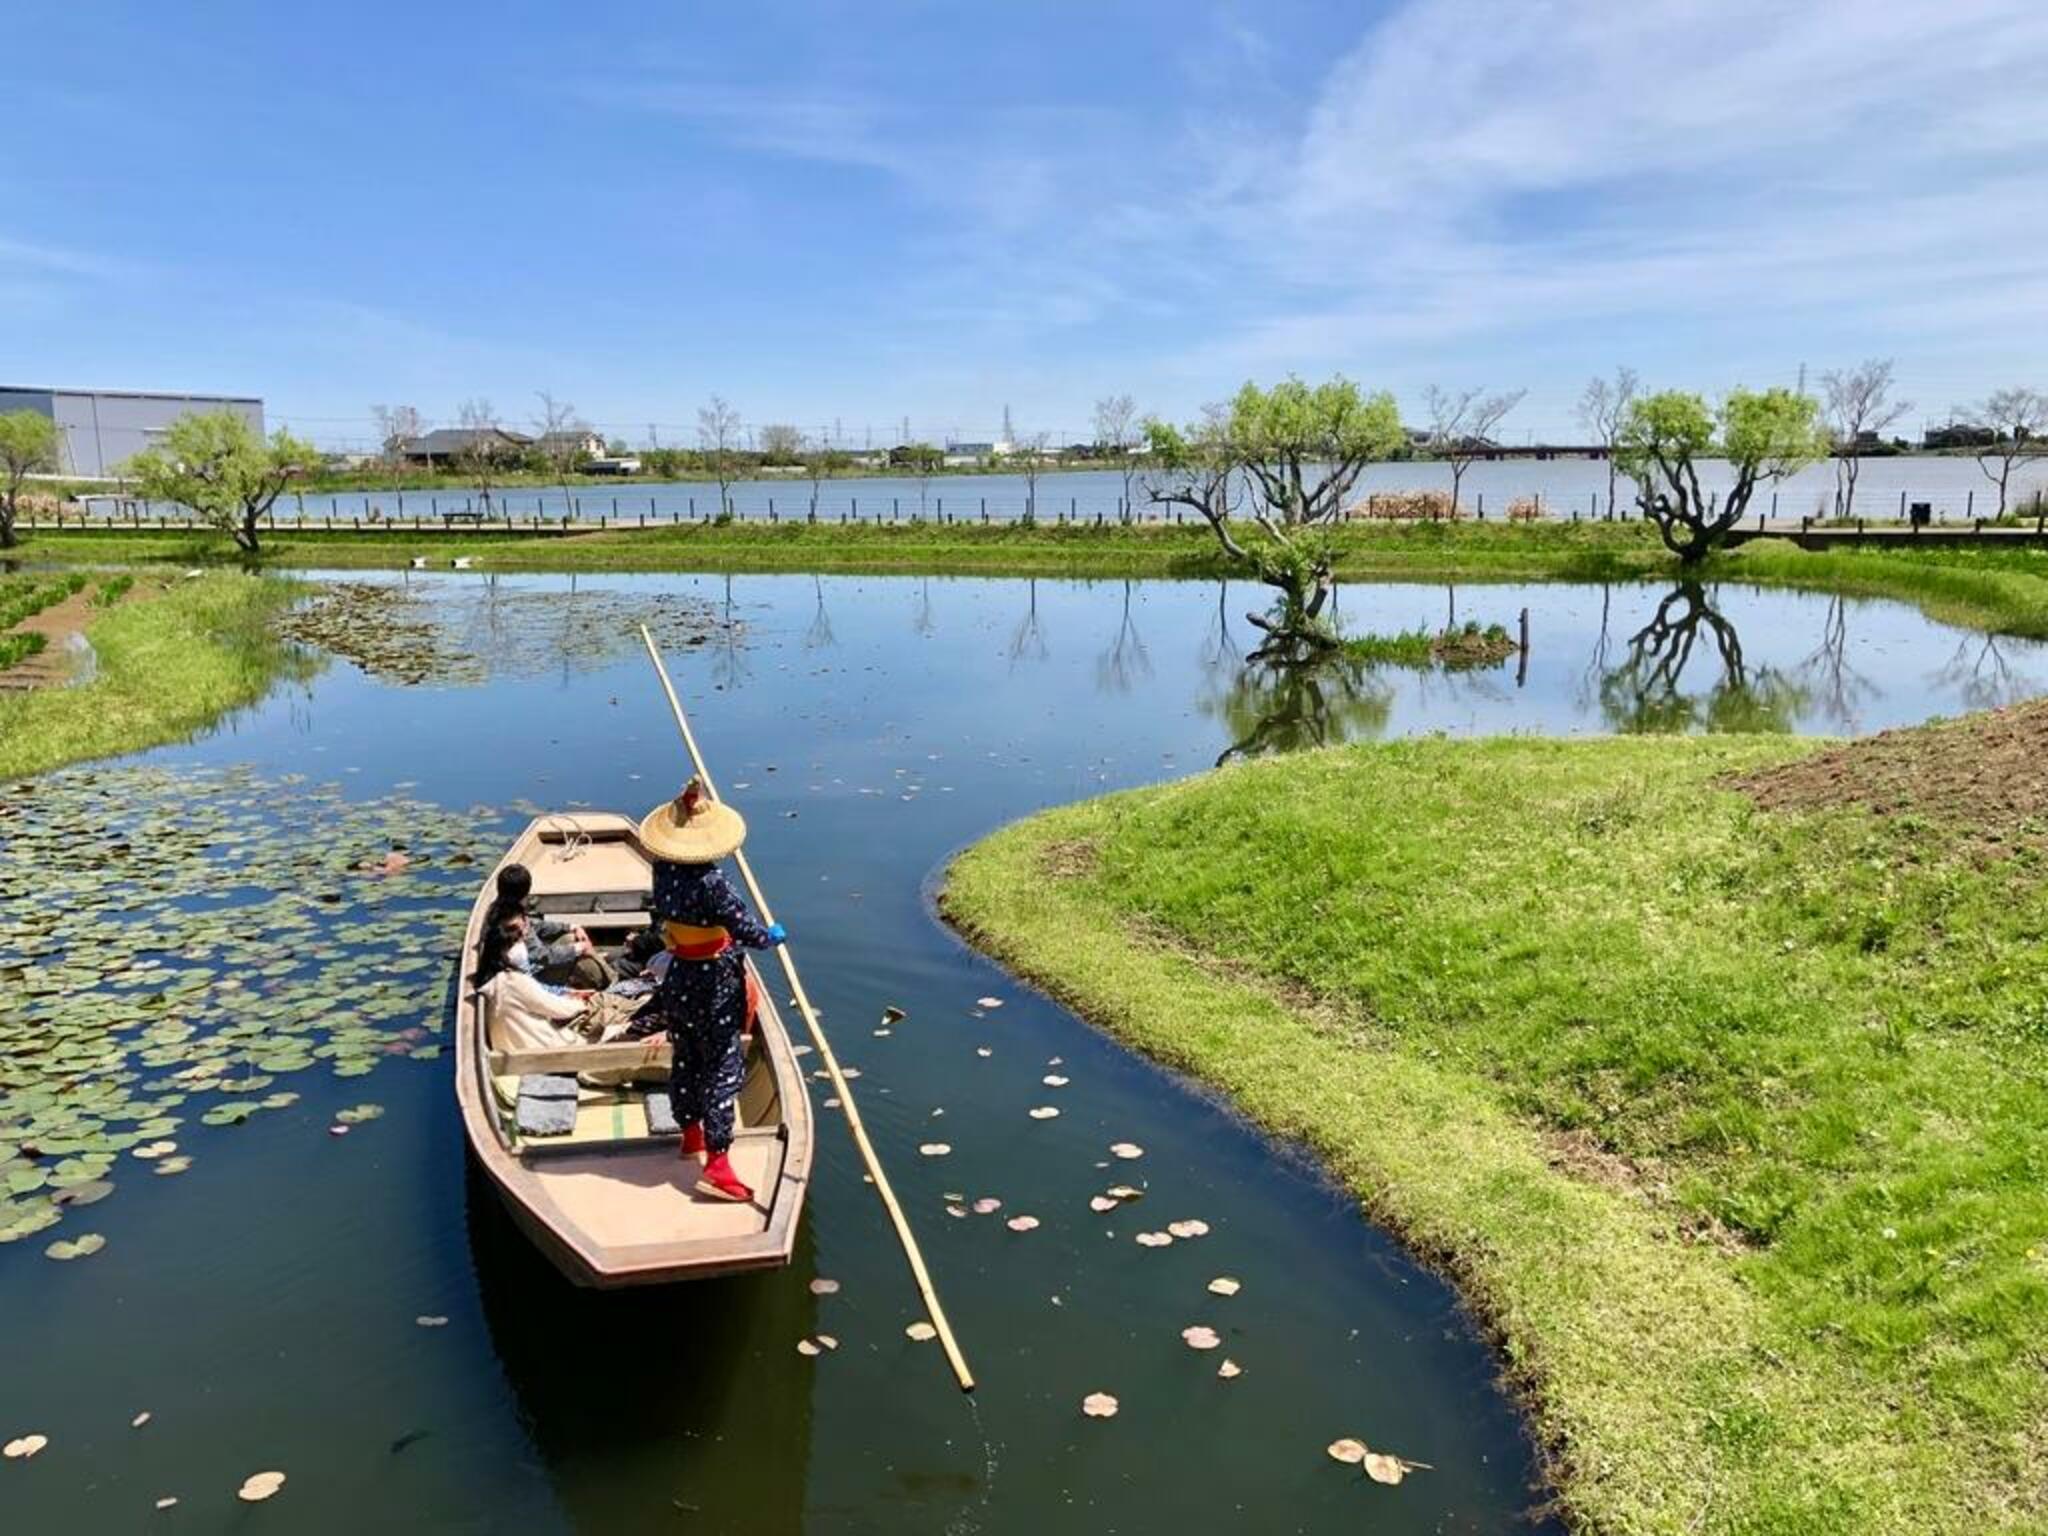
(702, 1000)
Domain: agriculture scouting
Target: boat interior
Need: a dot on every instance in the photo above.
(596, 877)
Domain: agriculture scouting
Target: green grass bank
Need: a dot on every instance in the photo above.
(1731, 1121)
(171, 661)
(2004, 590)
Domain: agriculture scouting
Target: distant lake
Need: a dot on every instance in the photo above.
(1955, 487)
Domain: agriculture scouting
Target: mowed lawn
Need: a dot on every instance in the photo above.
(1733, 1121)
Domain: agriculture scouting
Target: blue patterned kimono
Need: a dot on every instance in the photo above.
(702, 1002)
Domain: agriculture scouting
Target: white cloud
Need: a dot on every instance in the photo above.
(1479, 180)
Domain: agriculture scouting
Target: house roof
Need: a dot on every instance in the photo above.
(451, 440)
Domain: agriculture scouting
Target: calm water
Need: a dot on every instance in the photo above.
(262, 1307)
(1955, 488)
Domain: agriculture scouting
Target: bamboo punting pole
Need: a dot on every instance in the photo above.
(933, 1310)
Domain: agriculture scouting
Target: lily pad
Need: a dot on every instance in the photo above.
(84, 1246)
(360, 1114)
(262, 1485)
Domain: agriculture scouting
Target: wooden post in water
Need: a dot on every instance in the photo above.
(918, 1272)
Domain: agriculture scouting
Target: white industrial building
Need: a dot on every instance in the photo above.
(99, 430)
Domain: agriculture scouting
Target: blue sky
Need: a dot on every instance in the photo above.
(861, 214)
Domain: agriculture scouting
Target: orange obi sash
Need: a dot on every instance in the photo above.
(686, 941)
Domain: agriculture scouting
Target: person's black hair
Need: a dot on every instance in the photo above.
(494, 941)
(515, 884)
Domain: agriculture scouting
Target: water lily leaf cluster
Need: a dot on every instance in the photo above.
(180, 943)
(462, 635)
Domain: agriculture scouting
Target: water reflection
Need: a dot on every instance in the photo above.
(1288, 704)
(1124, 663)
(1027, 640)
(1983, 676)
(625, 1393)
(1647, 692)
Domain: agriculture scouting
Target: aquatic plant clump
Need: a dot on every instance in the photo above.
(181, 942)
(464, 635)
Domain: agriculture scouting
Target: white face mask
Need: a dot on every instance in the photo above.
(516, 957)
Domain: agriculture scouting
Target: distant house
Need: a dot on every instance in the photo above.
(959, 455)
(450, 445)
(572, 442)
(1957, 434)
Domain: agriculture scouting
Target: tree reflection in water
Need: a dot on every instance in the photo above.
(1125, 662)
(819, 636)
(1981, 673)
(1839, 690)
(1027, 640)
(728, 662)
(1646, 692)
(1287, 696)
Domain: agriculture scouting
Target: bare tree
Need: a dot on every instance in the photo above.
(821, 462)
(1116, 432)
(923, 460)
(485, 449)
(718, 434)
(397, 425)
(1858, 401)
(2017, 420)
(781, 444)
(1462, 425)
(1601, 409)
(1030, 463)
(561, 439)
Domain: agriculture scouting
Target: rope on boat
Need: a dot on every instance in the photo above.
(934, 1311)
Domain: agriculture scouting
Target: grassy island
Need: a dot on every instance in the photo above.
(172, 657)
(2005, 590)
(1715, 1070)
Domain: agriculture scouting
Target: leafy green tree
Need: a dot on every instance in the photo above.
(28, 443)
(218, 465)
(1762, 434)
(1285, 458)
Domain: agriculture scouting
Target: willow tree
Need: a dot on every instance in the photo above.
(1270, 473)
(28, 443)
(1762, 434)
(223, 469)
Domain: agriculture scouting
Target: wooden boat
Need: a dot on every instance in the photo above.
(610, 1202)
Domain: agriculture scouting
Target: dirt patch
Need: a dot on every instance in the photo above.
(1985, 777)
(55, 663)
(1074, 858)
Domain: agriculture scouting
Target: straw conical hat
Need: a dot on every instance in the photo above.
(693, 828)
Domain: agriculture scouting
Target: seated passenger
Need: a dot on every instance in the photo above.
(555, 951)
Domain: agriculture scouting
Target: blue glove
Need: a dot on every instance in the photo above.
(777, 934)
